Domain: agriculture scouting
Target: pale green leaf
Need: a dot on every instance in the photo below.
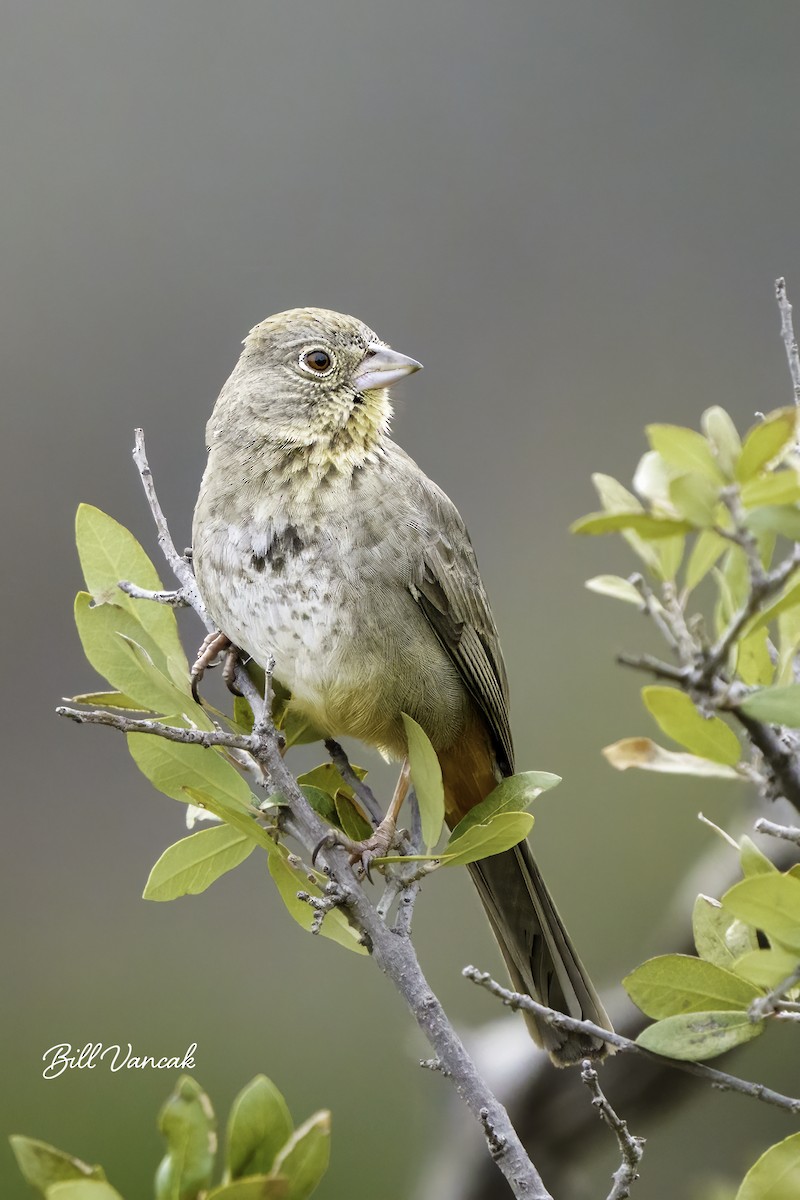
(42, 1165)
(615, 587)
(188, 1125)
(766, 968)
(174, 768)
(351, 819)
(670, 556)
(679, 983)
(616, 498)
(777, 518)
(707, 549)
(788, 599)
(513, 794)
(776, 1174)
(109, 553)
(719, 937)
(84, 1189)
(770, 902)
(647, 526)
(108, 700)
(258, 1126)
(775, 705)
(191, 865)
(778, 487)
(765, 441)
(426, 776)
(685, 449)
(328, 779)
(304, 1159)
(499, 833)
(753, 662)
(679, 719)
(723, 438)
(695, 499)
(697, 1036)
(646, 755)
(652, 479)
(255, 1187)
(322, 802)
(753, 861)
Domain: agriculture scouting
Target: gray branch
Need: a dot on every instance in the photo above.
(718, 1079)
(789, 833)
(789, 340)
(631, 1147)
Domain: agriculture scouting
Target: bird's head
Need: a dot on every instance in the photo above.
(315, 378)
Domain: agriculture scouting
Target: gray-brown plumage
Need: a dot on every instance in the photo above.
(318, 541)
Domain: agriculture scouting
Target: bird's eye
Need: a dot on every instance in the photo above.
(317, 360)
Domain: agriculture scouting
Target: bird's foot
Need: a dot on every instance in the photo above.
(213, 646)
(362, 854)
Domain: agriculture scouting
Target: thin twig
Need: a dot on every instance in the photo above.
(718, 1079)
(631, 1147)
(765, 1006)
(789, 340)
(655, 666)
(175, 599)
(789, 833)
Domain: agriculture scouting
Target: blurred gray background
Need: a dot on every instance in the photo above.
(573, 214)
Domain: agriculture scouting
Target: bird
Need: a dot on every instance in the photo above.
(320, 546)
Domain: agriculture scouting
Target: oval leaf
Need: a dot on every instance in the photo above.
(678, 717)
(697, 1036)
(426, 775)
(304, 1159)
(776, 1175)
(499, 833)
(647, 526)
(192, 864)
(777, 705)
(766, 968)
(188, 1124)
(512, 795)
(174, 768)
(723, 438)
(686, 449)
(258, 1126)
(770, 902)
(255, 1187)
(43, 1165)
(678, 983)
(765, 441)
(708, 547)
(616, 587)
(719, 937)
(291, 879)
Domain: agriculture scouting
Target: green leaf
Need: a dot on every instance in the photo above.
(778, 518)
(719, 937)
(351, 819)
(108, 700)
(109, 553)
(686, 449)
(670, 553)
(723, 437)
(188, 1124)
(616, 498)
(778, 487)
(298, 729)
(752, 860)
(677, 716)
(177, 699)
(304, 1159)
(243, 715)
(695, 498)
(766, 968)
(255, 1187)
(191, 865)
(328, 779)
(291, 877)
(678, 983)
(616, 587)
(765, 441)
(753, 662)
(426, 776)
(775, 705)
(776, 1174)
(258, 1126)
(42, 1165)
(99, 628)
(646, 755)
(513, 794)
(322, 803)
(499, 833)
(84, 1189)
(706, 550)
(770, 902)
(788, 599)
(697, 1036)
(647, 526)
(174, 768)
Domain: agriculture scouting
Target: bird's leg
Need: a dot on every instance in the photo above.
(213, 644)
(362, 854)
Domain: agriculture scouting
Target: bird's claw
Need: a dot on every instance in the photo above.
(213, 645)
(362, 854)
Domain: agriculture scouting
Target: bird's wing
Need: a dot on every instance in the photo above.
(448, 588)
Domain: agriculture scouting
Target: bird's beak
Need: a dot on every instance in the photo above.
(382, 367)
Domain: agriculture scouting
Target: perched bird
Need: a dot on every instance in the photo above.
(319, 542)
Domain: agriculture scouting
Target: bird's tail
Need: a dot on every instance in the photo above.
(539, 954)
(537, 949)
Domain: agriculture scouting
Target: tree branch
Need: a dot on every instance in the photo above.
(789, 340)
(718, 1079)
(631, 1148)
